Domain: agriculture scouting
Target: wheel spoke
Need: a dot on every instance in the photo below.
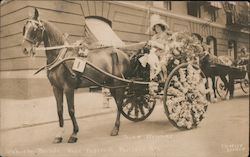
(136, 110)
(141, 109)
(130, 108)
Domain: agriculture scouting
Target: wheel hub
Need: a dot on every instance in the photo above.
(190, 97)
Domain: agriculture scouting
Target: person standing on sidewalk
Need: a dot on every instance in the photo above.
(106, 97)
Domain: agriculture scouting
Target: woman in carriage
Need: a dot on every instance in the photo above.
(158, 57)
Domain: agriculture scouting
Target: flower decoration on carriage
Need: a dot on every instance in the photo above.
(186, 92)
(183, 48)
(187, 101)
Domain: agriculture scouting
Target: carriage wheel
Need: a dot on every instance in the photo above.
(221, 88)
(186, 96)
(138, 108)
(245, 86)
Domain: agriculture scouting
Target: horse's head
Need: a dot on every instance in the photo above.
(33, 32)
(204, 57)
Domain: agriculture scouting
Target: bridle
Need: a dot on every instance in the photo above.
(35, 40)
(35, 34)
(38, 27)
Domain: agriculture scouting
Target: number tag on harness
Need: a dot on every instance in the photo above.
(79, 65)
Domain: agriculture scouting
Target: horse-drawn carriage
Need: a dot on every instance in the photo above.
(228, 72)
(184, 92)
(238, 74)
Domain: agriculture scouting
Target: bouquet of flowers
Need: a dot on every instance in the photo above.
(225, 60)
(181, 47)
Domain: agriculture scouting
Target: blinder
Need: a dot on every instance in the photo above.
(32, 35)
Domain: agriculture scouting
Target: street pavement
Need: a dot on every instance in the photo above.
(223, 133)
(19, 113)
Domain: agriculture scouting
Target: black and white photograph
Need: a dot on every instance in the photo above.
(86, 78)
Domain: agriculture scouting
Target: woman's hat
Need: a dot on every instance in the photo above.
(156, 19)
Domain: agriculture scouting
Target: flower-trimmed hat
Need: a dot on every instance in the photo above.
(156, 19)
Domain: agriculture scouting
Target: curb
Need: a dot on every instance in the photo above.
(56, 121)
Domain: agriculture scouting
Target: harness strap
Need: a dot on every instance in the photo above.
(61, 56)
(73, 74)
(106, 73)
(103, 85)
(52, 65)
(42, 68)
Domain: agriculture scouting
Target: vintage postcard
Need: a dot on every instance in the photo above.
(124, 78)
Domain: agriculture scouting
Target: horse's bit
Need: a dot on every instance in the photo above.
(37, 26)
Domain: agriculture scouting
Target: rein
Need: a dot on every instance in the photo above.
(56, 47)
(50, 66)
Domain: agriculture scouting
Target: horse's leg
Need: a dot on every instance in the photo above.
(214, 88)
(118, 95)
(59, 101)
(231, 86)
(70, 101)
(208, 85)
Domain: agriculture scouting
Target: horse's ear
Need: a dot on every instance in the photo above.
(36, 14)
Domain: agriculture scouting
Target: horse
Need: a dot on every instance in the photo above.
(211, 71)
(36, 31)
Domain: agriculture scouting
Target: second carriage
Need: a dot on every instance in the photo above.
(238, 73)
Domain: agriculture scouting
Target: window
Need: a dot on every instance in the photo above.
(193, 9)
(168, 5)
(232, 49)
(212, 7)
(230, 8)
(211, 41)
(213, 14)
(230, 18)
(100, 29)
(163, 4)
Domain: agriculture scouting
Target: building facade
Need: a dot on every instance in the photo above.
(223, 25)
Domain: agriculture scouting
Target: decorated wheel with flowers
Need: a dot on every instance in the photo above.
(138, 108)
(186, 96)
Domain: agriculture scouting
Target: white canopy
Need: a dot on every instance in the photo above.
(103, 33)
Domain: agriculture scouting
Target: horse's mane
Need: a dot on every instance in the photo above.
(54, 34)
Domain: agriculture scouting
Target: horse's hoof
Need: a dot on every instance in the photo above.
(114, 132)
(215, 100)
(58, 140)
(72, 139)
(226, 97)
